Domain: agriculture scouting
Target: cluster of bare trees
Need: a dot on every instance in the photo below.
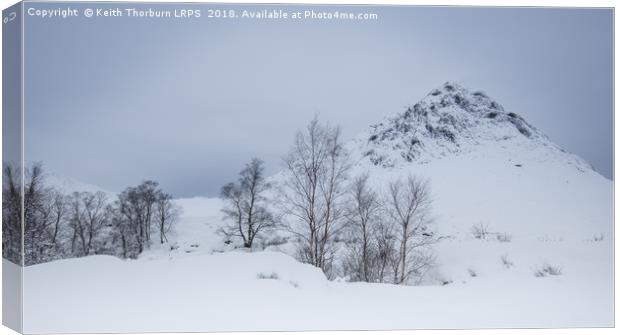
(11, 214)
(344, 227)
(39, 213)
(140, 211)
(58, 225)
(387, 230)
(87, 215)
(390, 237)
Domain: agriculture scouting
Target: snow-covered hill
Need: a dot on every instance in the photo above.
(541, 205)
(69, 185)
(449, 121)
(487, 166)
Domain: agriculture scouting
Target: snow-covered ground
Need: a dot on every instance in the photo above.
(236, 291)
(223, 292)
(549, 206)
(199, 284)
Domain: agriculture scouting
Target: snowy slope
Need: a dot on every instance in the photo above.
(499, 170)
(484, 165)
(70, 185)
(513, 187)
(196, 233)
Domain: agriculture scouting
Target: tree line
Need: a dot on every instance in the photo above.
(341, 223)
(58, 225)
(344, 225)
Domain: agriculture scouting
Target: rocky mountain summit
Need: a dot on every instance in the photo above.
(450, 120)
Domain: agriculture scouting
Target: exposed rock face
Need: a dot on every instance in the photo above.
(449, 120)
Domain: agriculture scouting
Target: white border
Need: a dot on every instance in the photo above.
(504, 3)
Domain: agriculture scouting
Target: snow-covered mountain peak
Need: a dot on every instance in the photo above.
(450, 120)
(69, 185)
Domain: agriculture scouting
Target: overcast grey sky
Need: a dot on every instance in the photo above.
(113, 101)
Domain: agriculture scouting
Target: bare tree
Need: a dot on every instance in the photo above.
(166, 214)
(53, 216)
(136, 205)
(35, 215)
(38, 217)
(247, 210)
(387, 250)
(149, 192)
(317, 167)
(122, 234)
(408, 205)
(131, 210)
(89, 215)
(363, 217)
(59, 212)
